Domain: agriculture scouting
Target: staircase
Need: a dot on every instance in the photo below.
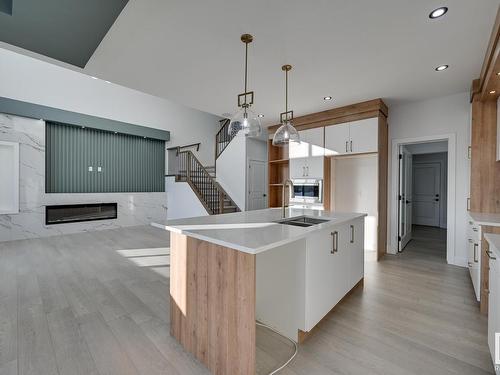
(222, 139)
(202, 181)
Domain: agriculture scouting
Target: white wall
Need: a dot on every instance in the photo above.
(442, 159)
(231, 170)
(182, 202)
(433, 118)
(232, 166)
(28, 79)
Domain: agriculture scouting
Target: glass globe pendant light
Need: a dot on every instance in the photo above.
(245, 119)
(286, 133)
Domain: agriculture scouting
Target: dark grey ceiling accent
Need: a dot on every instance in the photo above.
(25, 109)
(66, 30)
(6, 6)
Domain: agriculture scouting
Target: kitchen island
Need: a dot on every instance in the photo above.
(227, 271)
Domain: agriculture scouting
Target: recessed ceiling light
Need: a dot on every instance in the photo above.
(83, 127)
(492, 91)
(107, 81)
(440, 68)
(498, 74)
(261, 115)
(93, 77)
(327, 98)
(437, 13)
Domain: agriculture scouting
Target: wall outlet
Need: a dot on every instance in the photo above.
(90, 169)
(99, 169)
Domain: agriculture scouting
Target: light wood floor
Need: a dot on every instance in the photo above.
(97, 303)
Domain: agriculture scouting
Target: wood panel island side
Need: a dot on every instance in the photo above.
(227, 271)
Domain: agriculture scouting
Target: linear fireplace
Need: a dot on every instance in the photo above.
(73, 213)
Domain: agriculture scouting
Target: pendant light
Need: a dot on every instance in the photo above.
(286, 133)
(245, 119)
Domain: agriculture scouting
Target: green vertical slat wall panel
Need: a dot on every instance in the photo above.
(129, 163)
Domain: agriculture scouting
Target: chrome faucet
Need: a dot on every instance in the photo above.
(292, 194)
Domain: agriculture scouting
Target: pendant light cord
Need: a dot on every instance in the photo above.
(286, 90)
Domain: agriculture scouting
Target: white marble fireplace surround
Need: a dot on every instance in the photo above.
(133, 208)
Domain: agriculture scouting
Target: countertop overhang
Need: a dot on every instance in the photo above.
(486, 219)
(254, 231)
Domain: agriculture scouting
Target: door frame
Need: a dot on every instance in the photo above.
(451, 192)
(404, 153)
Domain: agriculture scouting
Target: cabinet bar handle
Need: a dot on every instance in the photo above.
(335, 244)
(475, 253)
(352, 233)
(307, 171)
(346, 145)
(351, 145)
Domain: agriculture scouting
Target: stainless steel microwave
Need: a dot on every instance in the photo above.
(307, 190)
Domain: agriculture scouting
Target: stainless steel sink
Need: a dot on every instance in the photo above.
(302, 221)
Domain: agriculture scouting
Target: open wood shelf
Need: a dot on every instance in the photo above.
(279, 161)
(278, 172)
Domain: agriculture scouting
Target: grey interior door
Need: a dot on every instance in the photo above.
(257, 187)
(426, 199)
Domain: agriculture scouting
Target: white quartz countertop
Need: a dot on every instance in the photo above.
(483, 218)
(494, 241)
(253, 231)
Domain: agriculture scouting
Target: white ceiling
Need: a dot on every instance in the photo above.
(354, 50)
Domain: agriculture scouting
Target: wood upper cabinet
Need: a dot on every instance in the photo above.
(355, 137)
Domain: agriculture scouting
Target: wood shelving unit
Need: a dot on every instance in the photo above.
(278, 172)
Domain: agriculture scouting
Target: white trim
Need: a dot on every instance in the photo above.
(15, 206)
(451, 207)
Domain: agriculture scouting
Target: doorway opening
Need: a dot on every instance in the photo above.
(422, 199)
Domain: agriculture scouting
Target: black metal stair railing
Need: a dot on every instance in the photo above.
(210, 193)
(222, 138)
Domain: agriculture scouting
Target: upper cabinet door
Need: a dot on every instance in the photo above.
(315, 139)
(337, 139)
(364, 136)
(311, 144)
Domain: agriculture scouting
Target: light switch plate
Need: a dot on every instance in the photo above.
(99, 169)
(90, 169)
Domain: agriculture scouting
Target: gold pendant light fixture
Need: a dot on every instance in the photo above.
(245, 119)
(286, 133)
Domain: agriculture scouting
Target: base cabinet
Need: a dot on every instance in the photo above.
(474, 256)
(494, 306)
(334, 264)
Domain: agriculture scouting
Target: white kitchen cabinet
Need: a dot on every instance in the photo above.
(337, 139)
(334, 265)
(363, 136)
(355, 137)
(356, 250)
(312, 142)
(474, 256)
(311, 167)
(493, 304)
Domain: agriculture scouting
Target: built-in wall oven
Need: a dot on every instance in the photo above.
(307, 191)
